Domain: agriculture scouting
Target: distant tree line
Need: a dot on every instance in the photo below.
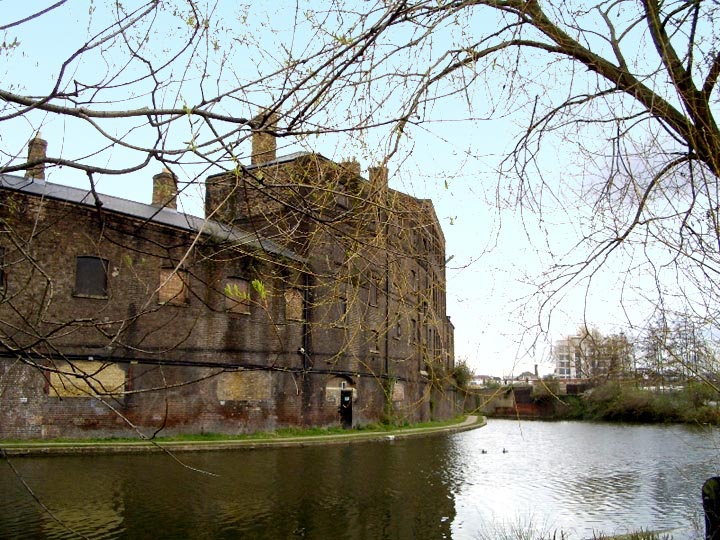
(665, 351)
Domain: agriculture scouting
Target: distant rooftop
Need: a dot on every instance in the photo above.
(278, 161)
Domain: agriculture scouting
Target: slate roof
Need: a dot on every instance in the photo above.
(278, 161)
(146, 212)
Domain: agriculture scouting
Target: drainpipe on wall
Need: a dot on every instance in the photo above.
(307, 312)
(386, 228)
(378, 177)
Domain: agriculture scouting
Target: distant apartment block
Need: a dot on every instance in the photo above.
(592, 356)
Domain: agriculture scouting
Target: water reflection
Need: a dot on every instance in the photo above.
(385, 490)
(582, 477)
(569, 476)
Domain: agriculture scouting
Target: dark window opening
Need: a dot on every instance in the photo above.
(91, 277)
(375, 342)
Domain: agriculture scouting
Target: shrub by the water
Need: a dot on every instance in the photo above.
(695, 403)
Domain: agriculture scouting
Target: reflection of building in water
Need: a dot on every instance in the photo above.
(94, 521)
(305, 284)
(82, 503)
(357, 491)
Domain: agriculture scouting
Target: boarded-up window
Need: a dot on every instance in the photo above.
(294, 305)
(375, 343)
(334, 388)
(237, 295)
(342, 200)
(91, 276)
(173, 286)
(86, 379)
(244, 386)
(398, 392)
(373, 293)
(341, 315)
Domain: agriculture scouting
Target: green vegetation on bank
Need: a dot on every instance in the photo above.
(694, 403)
(531, 532)
(284, 433)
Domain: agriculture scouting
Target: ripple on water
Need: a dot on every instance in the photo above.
(584, 477)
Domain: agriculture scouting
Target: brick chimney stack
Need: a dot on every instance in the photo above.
(165, 190)
(222, 192)
(37, 148)
(352, 166)
(378, 177)
(264, 145)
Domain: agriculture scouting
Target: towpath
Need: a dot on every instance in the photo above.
(45, 448)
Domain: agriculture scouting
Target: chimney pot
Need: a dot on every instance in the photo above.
(37, 149)
(352, 166)
(165, 190)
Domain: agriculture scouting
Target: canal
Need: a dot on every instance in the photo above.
(569, 476)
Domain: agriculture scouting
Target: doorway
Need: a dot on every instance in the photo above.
(346, 408)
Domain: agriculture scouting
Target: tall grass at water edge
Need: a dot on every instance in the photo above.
(532, 532)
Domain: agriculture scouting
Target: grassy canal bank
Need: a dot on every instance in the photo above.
(213, 441)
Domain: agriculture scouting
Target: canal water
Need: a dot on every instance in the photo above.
(576, 477)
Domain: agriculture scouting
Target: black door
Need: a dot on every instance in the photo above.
(346, 408)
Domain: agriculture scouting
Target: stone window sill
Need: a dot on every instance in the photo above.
(91, 296)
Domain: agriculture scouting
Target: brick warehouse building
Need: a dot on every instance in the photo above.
(307, 296)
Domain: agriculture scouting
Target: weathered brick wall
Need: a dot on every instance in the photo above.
(130, 325)
(41, 288)
(381, 234)
(373, 237)
(180, 362)
(21, 400)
